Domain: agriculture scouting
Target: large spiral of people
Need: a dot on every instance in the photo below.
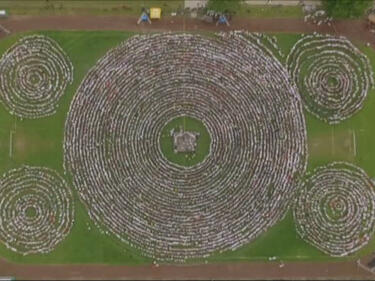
(34, 74)
(170, 212)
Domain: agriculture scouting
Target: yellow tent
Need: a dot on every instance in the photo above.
(155, 13)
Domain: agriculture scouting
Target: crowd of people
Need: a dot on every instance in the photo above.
(258, 153)
(332, 75)
(34, 74)
(36, 210)
(335, 209)
(269, 44)
(235, 85)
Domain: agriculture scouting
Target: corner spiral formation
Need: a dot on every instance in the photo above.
(335, 209)
(34, 74)
(332, 75)
(36, 210)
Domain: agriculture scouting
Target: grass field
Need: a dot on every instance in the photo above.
(261, 11)
(87, 7)
(39, 142)
(132, 7)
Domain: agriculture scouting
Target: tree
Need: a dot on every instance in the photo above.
(346, 8)
(224, 6)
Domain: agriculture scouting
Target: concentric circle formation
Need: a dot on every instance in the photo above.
(34, 74)
(335, 210)
(36, 210)
(170, 212)
(332, 75)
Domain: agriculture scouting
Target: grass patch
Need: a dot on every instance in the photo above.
(268, 11)
(87, 7)
(280, 241)
(133, 7)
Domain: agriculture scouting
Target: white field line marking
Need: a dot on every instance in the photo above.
(354, 143)
(364, 267)
(4, 29)
(11, 143)
(261, 258)
(11, 138)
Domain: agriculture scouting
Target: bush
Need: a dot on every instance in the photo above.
(346, 8)
(221, 6)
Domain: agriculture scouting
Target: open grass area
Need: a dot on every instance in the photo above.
(87, 7)
(277, 11)
(40, 142)
(133, 7)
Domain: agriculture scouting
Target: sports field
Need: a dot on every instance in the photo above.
(40, 142)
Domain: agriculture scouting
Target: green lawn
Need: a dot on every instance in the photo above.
(272, 12)
(39, 142)
(133, 7)
(87, 7)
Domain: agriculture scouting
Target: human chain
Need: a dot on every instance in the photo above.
(335, 209)
(258, 152)
(34, 74)
(36, 210)
(332, 75)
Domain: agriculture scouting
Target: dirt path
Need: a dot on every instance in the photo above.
(354, 30)
(254, 270)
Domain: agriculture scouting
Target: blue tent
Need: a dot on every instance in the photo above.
(222, 19)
